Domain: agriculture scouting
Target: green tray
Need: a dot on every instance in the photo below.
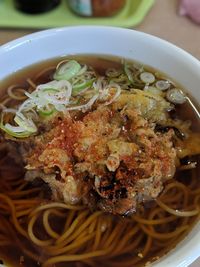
(131, 15)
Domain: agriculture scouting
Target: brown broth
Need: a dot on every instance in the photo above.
(12, 255)
(99, 63)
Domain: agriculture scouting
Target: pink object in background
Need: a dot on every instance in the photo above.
(190, 8)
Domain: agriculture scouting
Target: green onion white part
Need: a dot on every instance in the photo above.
(176, 96)
(162, 85)
(147, 77)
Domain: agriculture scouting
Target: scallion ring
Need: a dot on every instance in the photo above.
(67, 71)
(147, 77)
(162, 85)
(46, 110)
(113, 73)
(77, 88)
(176, 96)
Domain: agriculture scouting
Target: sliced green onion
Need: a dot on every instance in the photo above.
(82, 70)
(55, 93)
(113, 73)
(176, 96)
(53, 96)
(86, 106)
(15, 131)
(34, 97)
(8, 110)
(77, 88)
(57, 85)
(135, 82)
(59, 107)
(138, 66)
(116, 95)
(67, 71)
(26, 105)
(100, 84)
(162, 85)
(127, 70)
(147, 77)
(153, 90)
(26, 124)
(46, 110)
(123, 81)
(50, 91)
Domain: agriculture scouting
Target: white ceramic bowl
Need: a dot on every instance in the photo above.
(130, 44)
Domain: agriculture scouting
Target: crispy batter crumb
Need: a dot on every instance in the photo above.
(111, 151)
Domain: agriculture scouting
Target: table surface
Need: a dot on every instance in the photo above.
(162, 21)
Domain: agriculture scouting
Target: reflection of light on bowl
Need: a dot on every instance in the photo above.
(123, 43)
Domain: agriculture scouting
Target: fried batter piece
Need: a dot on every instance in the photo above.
(111, 156)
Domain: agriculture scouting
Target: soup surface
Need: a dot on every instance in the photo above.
(99, 164)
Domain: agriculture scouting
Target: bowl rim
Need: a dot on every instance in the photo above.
(190, 255)
(48, 32)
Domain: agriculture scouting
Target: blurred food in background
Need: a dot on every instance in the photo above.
(35, 6)
(96, 8)
(190, 8)
(44, 14)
